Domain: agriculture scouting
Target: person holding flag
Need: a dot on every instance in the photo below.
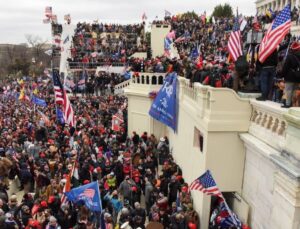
(206, 184)
(89, 194)
(268, 50)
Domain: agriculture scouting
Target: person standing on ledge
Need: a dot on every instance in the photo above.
(267, 75)
(291, 73)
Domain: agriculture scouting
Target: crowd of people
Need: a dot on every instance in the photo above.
(201, 42)
(202, 45)
(97, 43)
(139, 181)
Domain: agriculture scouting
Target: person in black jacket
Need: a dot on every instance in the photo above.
(291, 72)
(267, 75)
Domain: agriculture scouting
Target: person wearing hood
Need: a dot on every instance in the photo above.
(291, 72)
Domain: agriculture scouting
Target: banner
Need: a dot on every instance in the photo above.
(38, 101)
(164, 107)
(60, 116)
(89, 194)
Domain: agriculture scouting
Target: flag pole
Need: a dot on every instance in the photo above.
(226, 205)
(230, 212)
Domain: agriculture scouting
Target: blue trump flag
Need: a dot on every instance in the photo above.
(89, 194)
(164, 106)
(195, 53)
(38, 101)
(60, 116)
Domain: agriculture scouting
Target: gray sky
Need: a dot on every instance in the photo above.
(20, 17)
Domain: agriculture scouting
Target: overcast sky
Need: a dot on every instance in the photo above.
(20, 17)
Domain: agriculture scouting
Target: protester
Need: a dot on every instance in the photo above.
(43, 154)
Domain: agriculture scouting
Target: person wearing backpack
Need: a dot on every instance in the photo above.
(291, 72)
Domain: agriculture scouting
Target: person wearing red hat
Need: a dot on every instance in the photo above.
(291, 73)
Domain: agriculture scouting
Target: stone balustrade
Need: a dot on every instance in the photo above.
(144, 78)
(268, 123)
(119, 89)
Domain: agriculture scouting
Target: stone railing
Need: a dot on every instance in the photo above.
(119, 89)
(144, 78)
(142, 81)
(218, 105)
(268, 123)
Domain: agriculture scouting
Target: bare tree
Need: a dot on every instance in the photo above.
(38, 47)
(37, 44)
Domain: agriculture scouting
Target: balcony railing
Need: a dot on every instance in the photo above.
(144, 78)
(268, 123)
(93, 65)
(119, 89)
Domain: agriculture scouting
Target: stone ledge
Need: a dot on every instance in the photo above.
(293, 117)
(258, 145)
(287, 166)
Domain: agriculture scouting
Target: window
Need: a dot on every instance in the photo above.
(198, 139)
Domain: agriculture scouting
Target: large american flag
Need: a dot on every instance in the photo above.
(275, 34)
(234, 42)
(206, 184)
(61, 98)
(58, 88)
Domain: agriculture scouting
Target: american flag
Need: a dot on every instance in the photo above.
(68, 111)
(228, 218)
(58, 88)
(48, 11)
(279, 28)
(206, 184)
(89, 192)
(61, 97)
(234, 42)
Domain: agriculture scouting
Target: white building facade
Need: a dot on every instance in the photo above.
(263, 5)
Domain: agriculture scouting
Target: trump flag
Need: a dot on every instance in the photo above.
(88, 194)
(164, 106)
(38, 101)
